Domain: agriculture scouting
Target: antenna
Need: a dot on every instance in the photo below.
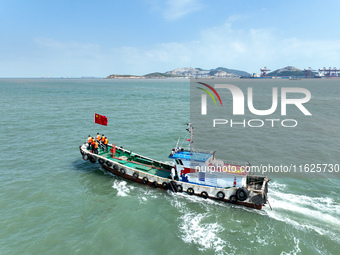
(178, 141)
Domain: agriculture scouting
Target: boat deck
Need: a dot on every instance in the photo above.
(135, 161)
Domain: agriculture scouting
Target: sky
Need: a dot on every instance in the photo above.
(74, 38)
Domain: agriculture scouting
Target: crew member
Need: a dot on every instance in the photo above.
(96, 147)
(92, 145)
(113, 151)
(106, 141)
(102, 138)
(173, 173)
(89, 141)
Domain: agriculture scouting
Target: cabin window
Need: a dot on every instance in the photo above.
(180, 161)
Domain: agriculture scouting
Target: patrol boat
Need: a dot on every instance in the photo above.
(195, 172)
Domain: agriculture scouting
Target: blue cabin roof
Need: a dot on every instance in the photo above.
(189, 155)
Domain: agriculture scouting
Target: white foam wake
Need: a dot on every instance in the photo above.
(319, 214)
(122, 188)
(199, 228)
(205, 235)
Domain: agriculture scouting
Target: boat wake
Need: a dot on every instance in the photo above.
(206, 227)
(306, 213)
(197, 228)
(215, 227)
(205, 235)
(122, 187)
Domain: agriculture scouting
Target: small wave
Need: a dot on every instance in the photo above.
(122, 188)
(205, 235)
(296, 249)
(142, 200)
(277, 186)
(144, 195)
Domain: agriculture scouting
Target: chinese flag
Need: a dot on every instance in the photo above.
(100, 119)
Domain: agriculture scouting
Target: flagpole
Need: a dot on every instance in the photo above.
(94, 125)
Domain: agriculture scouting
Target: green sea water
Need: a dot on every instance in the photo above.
(53, 202)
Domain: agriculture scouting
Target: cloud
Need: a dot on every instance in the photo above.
(244, 49)
(175, 9)
(68, 48)
(66, 58)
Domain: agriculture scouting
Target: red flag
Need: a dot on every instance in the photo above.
(100, 119)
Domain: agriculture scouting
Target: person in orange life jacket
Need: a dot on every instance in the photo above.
(92, 145)
(96, 147)
(89, 141)
(98, 137)
(106, 141)
(102, 139)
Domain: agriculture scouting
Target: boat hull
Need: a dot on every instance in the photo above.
(150, 184)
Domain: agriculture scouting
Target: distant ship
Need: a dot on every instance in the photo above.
(256, 77)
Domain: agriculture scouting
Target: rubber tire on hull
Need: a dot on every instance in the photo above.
(108, 163)
(233, 199)
(85, 157)
(92, 159)
(122, 171)
(190, 191)
(135, 175)
(165, 185)
(220, 195)
(101, 161)
(242, 194)
(155, 184)
(179, 188)
(204, 194)
(145, 180)
(116, 167)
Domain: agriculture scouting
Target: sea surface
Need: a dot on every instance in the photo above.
(53, 202)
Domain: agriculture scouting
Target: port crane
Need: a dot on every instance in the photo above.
(308, 72)
(264, 71)
(329, 72)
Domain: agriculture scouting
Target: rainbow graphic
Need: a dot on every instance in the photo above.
(204, 97)
(209, 93)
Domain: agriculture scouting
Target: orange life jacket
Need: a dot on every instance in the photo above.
(106, 141)
(95, 145)
(98, 137)
(103, 138)
(90, 140)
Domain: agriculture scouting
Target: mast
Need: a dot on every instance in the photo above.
(191, 132)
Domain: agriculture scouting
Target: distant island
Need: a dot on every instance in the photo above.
(221, 72)
(186, 72)
(292, 72)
